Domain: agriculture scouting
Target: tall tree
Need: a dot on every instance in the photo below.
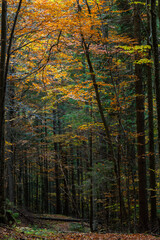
(57, 170)
(2, 108)
(151, 130)
(4, 66)
(143, 204)
(156, 62)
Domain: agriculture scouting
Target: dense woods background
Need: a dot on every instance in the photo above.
(80, 110)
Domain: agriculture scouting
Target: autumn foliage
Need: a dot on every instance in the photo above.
(81, 120)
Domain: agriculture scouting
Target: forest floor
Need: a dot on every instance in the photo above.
(60, 230)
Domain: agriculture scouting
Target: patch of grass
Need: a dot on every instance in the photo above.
(76, 227)
(35, 231)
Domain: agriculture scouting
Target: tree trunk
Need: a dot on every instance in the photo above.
(73, 187)
(66, 190)
(19, 185)
(57, 172)
(143, 207)
(26, 201)
(91, 177)
(45, 167)
(10, 135)
(2, 108)
(4, 65)
(119, 183)
(151, 133)
(81, 183)
(159, 11)
(156, 62)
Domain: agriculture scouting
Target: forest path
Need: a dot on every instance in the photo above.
(60, 230)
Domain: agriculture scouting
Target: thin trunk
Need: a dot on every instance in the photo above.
(10, 134)
(91, 177)
(57, 172)
(74, 200)
(82, 191)
(29, 186)
(78, 182)
(4, 65)
(128, 196)
(159, 11)
(37, 193)
(156, 62)
(42, 184)
(19, 185)
(66, 190)
(45, 169)
(2, 108)
(132, 164)
(26, 200)
(151, 132)
(119, 183)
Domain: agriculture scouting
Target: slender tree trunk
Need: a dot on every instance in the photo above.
(159, 11)
(151, 132)
(26, 202)
(4, 65)
(78, 183)
(2, 107)
(10, 135)
(38, 179)
(73, 177)
(45, 168)
(119, 183)
(19, 185)
(81, 183)
(42, 184)
(66, 190)
(156, 62)
(132, 170)
(91, 177)
(58, 193)
(42, 170)
(128, 196)
(57, 172)
(37, 193)
(143, 205)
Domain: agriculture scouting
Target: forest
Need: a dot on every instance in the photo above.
(80, 112)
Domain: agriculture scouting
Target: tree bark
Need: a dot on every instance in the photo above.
(143, 206)
(10, 136)
(2, 107)
(4, 66)
(57, 170)
(156, 62)
(45, 166)
(159, 11)
(66, 190)
(151, 132)
(91, 175)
